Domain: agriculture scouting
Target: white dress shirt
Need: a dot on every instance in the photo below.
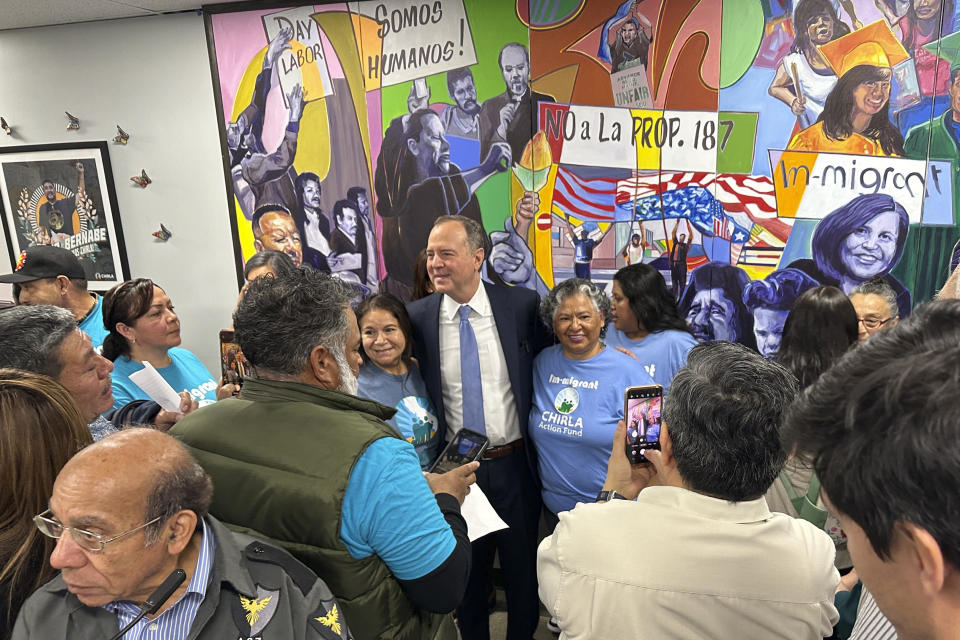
(677, 565)
(315, 239)
(499, 405)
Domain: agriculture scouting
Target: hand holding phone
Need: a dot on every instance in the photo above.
(466, 446)
(233, 366)
(456, 482)
(641, 412)
(623, 476)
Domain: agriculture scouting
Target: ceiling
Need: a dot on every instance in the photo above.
(18, 14)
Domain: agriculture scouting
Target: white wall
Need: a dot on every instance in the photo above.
(152, 77)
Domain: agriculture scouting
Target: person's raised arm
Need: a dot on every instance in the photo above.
(852, 12)
(498, 160)
(81, 183)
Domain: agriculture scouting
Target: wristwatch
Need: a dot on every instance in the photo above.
(608, 495)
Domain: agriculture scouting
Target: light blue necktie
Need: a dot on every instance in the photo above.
(470, 374)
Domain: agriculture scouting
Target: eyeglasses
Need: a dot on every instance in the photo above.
(86, 539)
(873, 323)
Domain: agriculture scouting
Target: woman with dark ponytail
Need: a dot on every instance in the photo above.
(143, 327)
(647, 323)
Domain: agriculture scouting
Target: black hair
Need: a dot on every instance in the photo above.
(881, 429)
(126, 303)
(456, 75)
(651, 302)
(301, 181)
(840, 103)
(415, 124)
(422, 286)
(353, 192)
(806, 11)
(392, 305)
(820, 328)
(279, 262)
(341, 205)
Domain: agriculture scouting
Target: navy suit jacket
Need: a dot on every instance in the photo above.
(522, 336)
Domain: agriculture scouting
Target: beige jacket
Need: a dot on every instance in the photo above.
(680, 565)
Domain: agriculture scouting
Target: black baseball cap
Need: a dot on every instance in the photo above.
(45, 261)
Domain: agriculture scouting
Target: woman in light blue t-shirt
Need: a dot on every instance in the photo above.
(647, 324)
(578, 388)
(143, 327)
(391, 377)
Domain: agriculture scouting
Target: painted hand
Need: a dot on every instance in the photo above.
(511, 258)
(279, 44)
(507, 112)
(498, 159)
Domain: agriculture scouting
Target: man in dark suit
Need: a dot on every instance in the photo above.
(506, 329)
(511, 117)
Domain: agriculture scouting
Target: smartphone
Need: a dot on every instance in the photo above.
(233, 366)
(465, 447)
(641, 412)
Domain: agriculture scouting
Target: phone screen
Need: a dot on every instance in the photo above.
(465, 447)
(233, 366)
(641, 412)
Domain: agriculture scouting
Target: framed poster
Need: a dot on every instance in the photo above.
(63, 194)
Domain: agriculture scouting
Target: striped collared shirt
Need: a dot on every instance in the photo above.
(871, 624)
(175, 622)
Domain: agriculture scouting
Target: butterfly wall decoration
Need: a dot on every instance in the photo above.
(74, 121)
(5, 126)
(163, 233)
(143, 179)
(122, 136)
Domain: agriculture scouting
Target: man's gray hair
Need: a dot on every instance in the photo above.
(569, 287)
(879, 287)
(281, 320)
(475, 234)
(31, 335)
(723, 414)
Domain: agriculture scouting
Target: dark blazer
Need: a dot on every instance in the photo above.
(522, 127)
(522, 336)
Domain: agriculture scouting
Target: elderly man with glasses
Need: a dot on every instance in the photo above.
(125, 520)
(875, 302)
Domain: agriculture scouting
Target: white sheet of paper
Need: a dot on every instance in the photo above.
(156, 387)
(480, 516)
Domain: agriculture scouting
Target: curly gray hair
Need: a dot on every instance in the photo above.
(572, 286)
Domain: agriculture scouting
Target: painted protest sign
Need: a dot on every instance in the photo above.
(305, 63)
(419, 39)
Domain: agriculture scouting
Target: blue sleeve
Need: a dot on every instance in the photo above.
(120, 395)
(124, 389)
(389, 510)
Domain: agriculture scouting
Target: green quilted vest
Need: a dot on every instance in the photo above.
(280, 457)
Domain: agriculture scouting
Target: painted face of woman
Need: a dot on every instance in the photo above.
(868, 250)
(870, 97)
(820, 29)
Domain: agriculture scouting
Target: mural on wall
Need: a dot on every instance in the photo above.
(747, 149)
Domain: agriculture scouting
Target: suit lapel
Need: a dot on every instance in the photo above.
(506, 328)
(431, 337)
